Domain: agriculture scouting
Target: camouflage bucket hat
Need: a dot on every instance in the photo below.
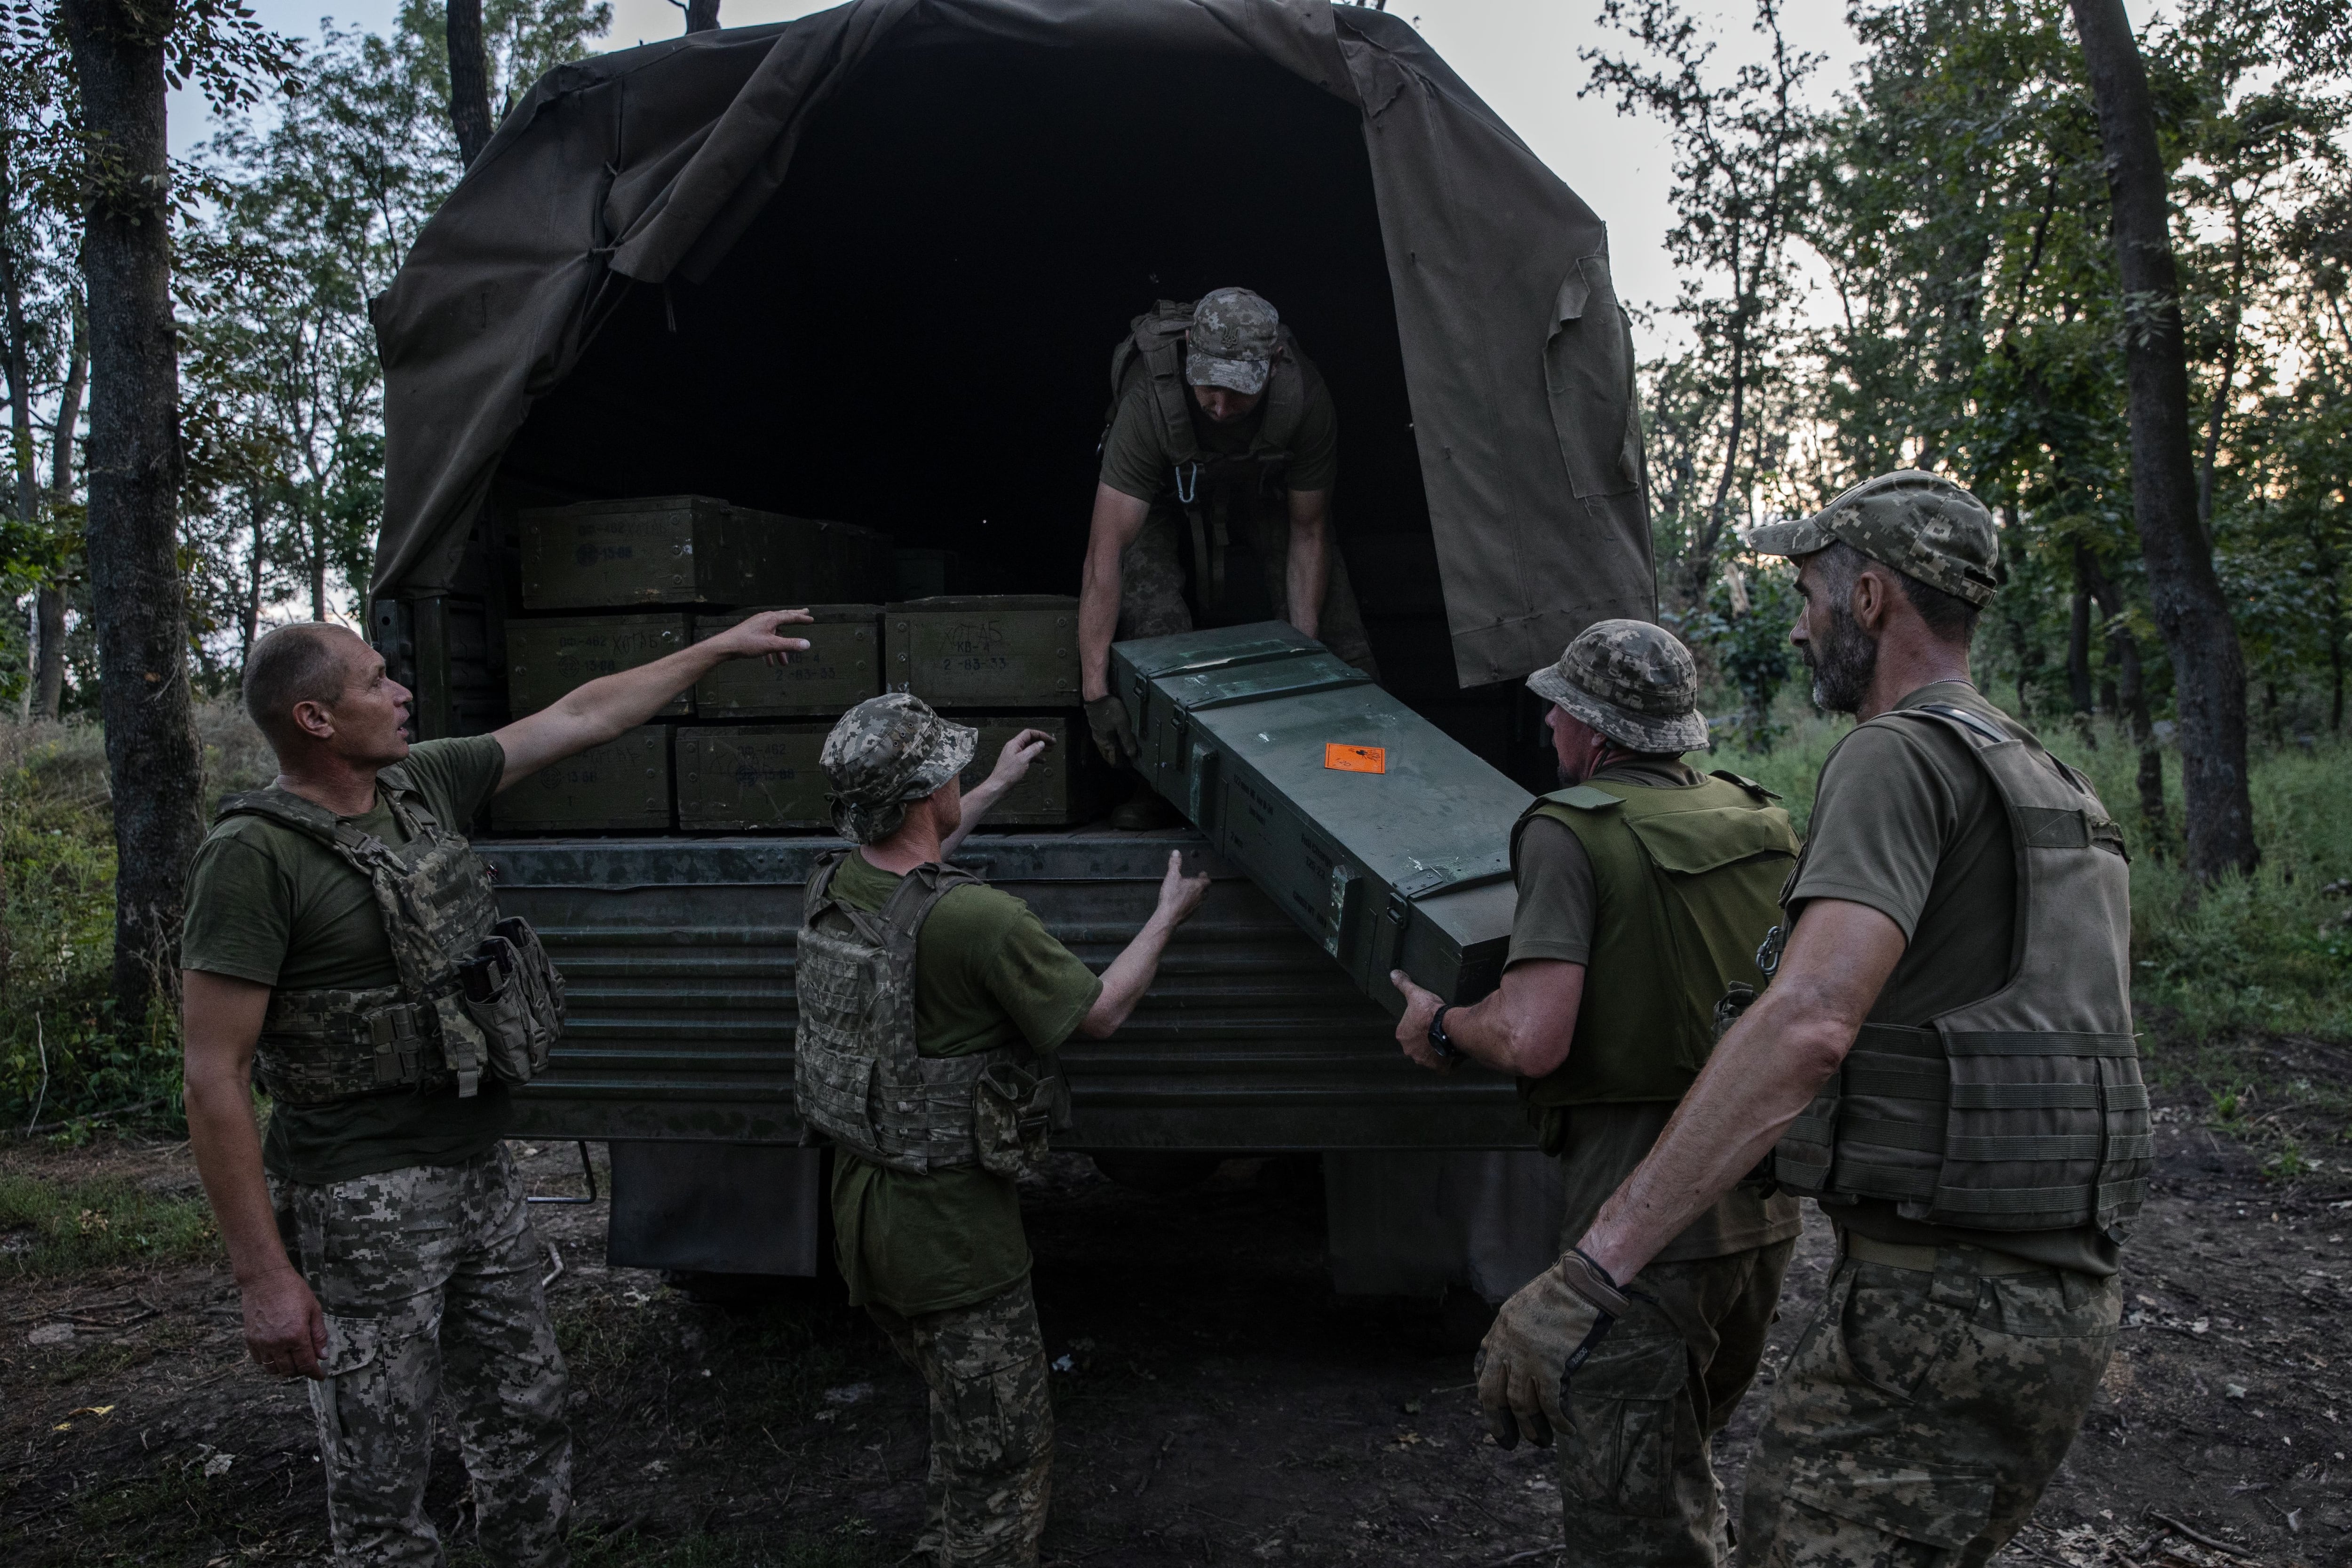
(1922, 525)
(885, 753)
(1231, 342)
(1631, 680)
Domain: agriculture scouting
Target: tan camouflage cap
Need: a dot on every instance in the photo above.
(1921, 524)
(1631, 680)
(1232, 341)
(886, 753)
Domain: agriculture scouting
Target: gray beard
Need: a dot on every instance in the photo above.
(1843, 664)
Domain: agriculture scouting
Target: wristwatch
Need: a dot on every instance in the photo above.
(1439, 1041)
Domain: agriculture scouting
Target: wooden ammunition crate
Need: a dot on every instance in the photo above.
(694, 550)
(1385, 839)
(843, 669)
(751, 775)
(1063, 785)
(984, 650)
(622, 784)
(545, 659)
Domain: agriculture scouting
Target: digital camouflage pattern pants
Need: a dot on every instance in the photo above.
(1922, 1412)
(992, 1427)
(1637, 1489)
(430, 1278)
(1152, 577)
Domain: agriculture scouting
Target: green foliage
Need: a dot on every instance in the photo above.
(1745, 627)
(57, 1227)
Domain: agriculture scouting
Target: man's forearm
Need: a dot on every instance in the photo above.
(1097, 624)
(1129, 976)
(616, 703)
(1310, 567)
(227, 1146)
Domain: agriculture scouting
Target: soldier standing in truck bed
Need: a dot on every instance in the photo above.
(341, 940)
(927, 998)
(1944, 1061)
(1644, 890)
(1221, 429)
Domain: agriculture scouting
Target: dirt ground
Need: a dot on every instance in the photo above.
(1216, 1403)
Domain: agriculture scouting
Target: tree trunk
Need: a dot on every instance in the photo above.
(252, 627)
(469, 79)
(20, 379)
(2131, 698)
(318, 569)
(49, 601)
(702, 16)
(2208, 666)
(2078, 647)
(152, 760)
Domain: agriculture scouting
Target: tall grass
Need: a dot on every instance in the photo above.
(61, 1056)
(2271, 952)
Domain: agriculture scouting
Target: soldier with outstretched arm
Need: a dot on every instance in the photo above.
(341, 943)
(1944, 1060)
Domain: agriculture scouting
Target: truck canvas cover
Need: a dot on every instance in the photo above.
(649, 284)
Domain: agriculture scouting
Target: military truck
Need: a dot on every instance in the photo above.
(867, 266)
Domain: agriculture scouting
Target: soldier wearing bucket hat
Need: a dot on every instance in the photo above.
(1964, 1102)
(930, 1008)
(1644, 888)
(1221, 439)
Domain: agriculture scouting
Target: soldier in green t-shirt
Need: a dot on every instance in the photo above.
(929, 1002)
(1644, 891)
(378, 1235)
(1220, 431)
(1944, 1061)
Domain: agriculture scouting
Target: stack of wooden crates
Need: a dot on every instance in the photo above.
(609, 585)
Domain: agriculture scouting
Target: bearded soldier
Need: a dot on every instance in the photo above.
(342, 941)
(927, 1000)
(1221, 430)
(1944, 1061)
(1644, 890)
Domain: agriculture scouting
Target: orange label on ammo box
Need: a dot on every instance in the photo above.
(1356, 758)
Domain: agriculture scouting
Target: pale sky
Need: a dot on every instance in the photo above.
(1520, 55)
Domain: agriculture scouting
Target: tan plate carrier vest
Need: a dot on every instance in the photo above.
(475, 994)
(1154, 350)
(2023, 1111)
(856, 1074)
(1687, 880)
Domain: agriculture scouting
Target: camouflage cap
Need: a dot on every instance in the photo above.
(1631, 680)
(1921, 524)
(885, 753)
(1232, 341)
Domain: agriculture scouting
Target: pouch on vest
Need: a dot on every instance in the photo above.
(517, 996)
(1013, 1110)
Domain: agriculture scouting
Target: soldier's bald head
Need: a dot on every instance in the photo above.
(303, 660)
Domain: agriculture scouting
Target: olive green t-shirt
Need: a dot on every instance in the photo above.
(987, 973)
(272, 905)
(1558, 912)
(1136, 460)
(1906, 821)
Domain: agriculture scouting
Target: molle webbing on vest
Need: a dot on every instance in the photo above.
(434, 898)
(2023, 1111)
(857, 1073)
(1687, 882)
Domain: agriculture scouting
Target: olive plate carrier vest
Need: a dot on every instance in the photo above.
(856, 1074)
(475, 994)
(1153, 349)
(1687, 880)
(2023, 1111)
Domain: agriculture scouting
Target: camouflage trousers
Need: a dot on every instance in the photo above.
(430, 1278)
(1637, 1488)
(1923, 1412)
(991, 1473)
(1151, 579)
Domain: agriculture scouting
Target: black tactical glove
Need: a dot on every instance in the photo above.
(1544, 1332)
(1114, 736)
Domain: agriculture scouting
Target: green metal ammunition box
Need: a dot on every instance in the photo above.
(842, 669)
(984, 650)
(1063, 787)
(1380, 835)
(545, 659)
(693, 549)
(622, 784)
(751, 775)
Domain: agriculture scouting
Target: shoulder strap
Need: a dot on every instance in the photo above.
(1753, 788)
(308, 818)
(1584, 797)
(1154, 342)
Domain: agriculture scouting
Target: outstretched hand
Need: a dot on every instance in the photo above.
(1180, 894)
(1013, 762)
(757, 636)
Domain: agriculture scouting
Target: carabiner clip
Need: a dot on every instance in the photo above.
(1183, 494)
